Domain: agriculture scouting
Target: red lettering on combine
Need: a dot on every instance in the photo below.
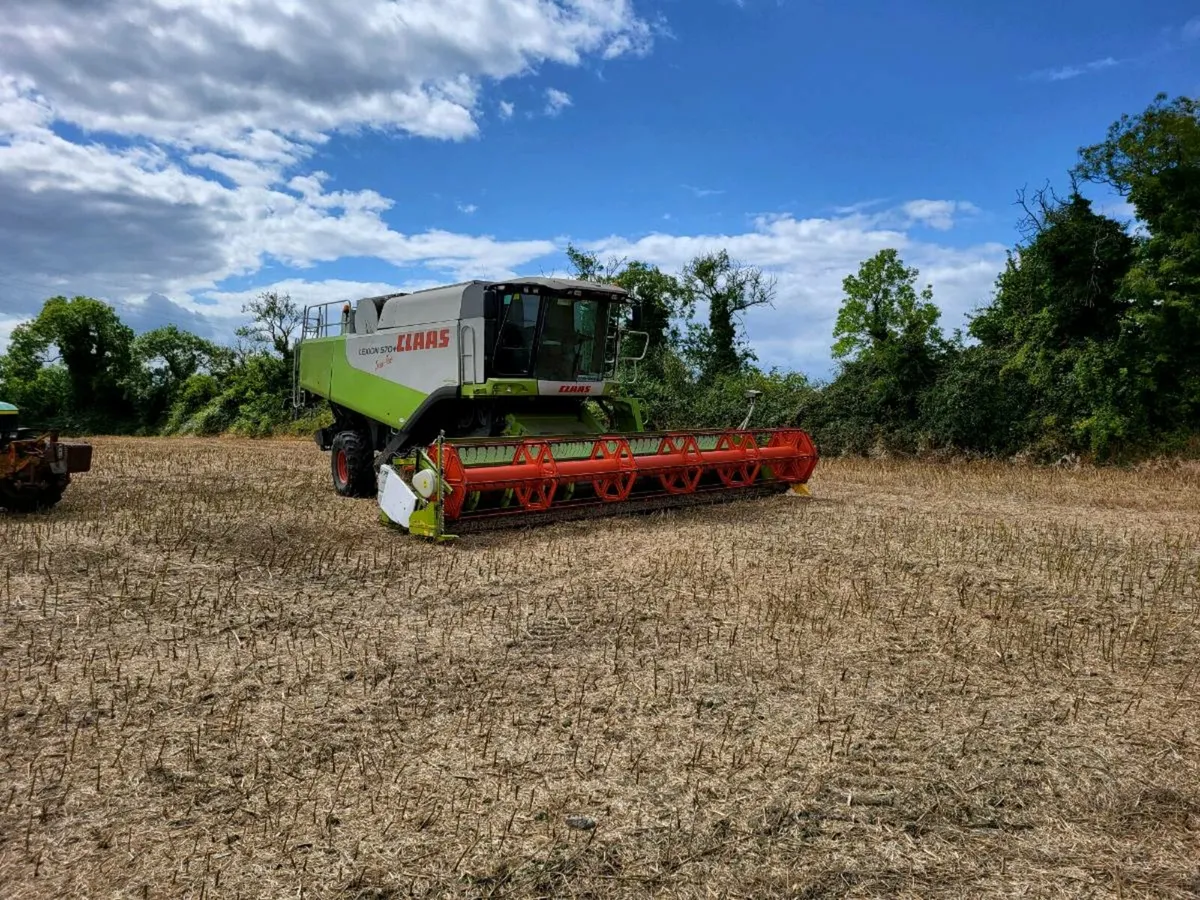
(575, 389)
(422, 340)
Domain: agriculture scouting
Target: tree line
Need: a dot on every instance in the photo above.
(1089, 345)
(78, 368)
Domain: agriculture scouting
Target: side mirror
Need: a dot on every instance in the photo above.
(634, 356)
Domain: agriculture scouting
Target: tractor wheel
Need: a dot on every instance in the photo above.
(352, 465)
(30, 499)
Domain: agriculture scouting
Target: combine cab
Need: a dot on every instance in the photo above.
(35, 469)
(493, 404)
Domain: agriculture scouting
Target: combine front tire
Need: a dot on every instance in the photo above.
(352, 465)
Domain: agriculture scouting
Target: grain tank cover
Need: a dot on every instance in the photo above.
(366, 314)
(457, 301)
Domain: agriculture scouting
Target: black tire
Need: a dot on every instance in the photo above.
(352, 465)
(30, 499)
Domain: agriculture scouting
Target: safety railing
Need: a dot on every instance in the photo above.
(319, 320)
(326, 319)
(466, 355)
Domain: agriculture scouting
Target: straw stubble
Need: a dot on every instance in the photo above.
(221, 680)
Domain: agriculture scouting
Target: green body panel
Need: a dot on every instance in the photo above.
(526, 425)
(325, 372)
(627, 412)
(316, 363)
(502, 387)
(424, 523)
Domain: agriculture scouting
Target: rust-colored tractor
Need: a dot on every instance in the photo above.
(35, 468)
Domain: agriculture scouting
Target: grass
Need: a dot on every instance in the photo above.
(221, 680)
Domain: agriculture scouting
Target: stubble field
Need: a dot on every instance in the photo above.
(221, 680)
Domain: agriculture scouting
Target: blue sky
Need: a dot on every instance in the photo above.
(175, 159)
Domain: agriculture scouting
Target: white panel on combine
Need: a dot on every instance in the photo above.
(396, 498)
(424, 358)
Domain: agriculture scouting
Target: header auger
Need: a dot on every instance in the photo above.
(496, 404)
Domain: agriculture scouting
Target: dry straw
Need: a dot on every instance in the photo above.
(220, 680)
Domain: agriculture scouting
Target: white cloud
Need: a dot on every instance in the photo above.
(220, 105)
(1191, 31)
(227, 305)
(810, 258)
(1065, 73)
(216, 107)
(467, 208)
(937, 214)
(261, 76)
(1122, 210)
(7, 324)
(860, 207)
(703, 192)
(556, 101)
(131, 221)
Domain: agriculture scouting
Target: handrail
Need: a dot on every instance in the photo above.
(319, 323)
(466, 339)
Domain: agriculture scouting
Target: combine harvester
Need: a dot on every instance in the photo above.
(498, 404)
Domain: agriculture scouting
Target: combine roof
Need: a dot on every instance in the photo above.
(562, 284)
(555, 284)
(463, 300)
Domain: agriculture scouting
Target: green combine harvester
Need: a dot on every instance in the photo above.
(496, 404)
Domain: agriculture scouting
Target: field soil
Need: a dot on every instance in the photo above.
(219, 679)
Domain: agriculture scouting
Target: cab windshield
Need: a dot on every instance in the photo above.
(552, 338)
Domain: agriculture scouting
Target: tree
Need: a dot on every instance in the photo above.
(167, 358)
(275, 317)
(586, 266)
(976, 405)
(728, 288)
(1153, 159)
(891, 351)
(881, 309)
(87, 338)
(657, 295)
(179, 354)
(1055, 322)
(1063, 287)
